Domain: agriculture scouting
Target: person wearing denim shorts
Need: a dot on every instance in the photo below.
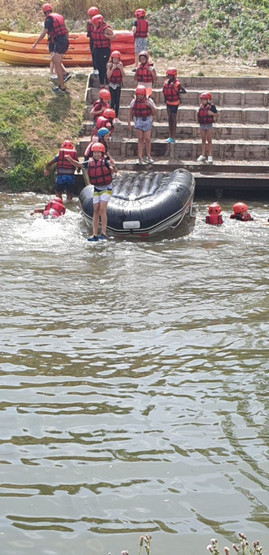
(142, 109)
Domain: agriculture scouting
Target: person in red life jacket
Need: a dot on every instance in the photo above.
(91, 13)
(65, 179)
(172, 89)
(100, 175)
(53, 210)
(140, 31)
(145, 73)
(240, 213)
(100, 105)
(142, 109)
(214, 216)
(101, 35)
(106, 120)
(55, 28)
(206, 115)
(115, 73)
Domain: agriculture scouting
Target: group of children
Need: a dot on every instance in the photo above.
(240, 213)
(98, 162)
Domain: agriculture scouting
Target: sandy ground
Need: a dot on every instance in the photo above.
(187, 67)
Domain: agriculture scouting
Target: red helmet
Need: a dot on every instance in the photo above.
(96, 19)
(115, 54)
(92, 11)
(214, 208)
(143, 53)
(98, 147)
(239, 208)
(206, 95)
(140, 91)
(171, 71)
(109, 113)
(68, 145)
(104, 94)
(46, 8)
(140, 13)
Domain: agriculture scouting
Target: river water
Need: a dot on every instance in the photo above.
(134, 396)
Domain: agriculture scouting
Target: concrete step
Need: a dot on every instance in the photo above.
(223, 98)
(187, 149)
(200, 83)
(239, 169)
(187, 113)
(192, 131)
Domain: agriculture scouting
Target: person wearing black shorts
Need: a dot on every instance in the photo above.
(55, 27)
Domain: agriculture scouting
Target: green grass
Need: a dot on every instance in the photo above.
(33, 124)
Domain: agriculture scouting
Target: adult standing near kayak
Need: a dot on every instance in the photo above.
(55, 28)
(101, 36)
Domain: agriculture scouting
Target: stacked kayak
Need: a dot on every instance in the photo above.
(16, 49)
(143, 205)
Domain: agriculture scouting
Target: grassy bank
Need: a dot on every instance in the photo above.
(33, 124)
(198, 36)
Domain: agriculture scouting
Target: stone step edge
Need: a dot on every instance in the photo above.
(192, 124)
(133, 140)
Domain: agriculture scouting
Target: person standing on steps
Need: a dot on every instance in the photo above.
(206, 115)
(172, 89)
(100, 175)
(115, 73)
(101, 35)
(91, 13)
(142, 109)
(101, 104)
(140, 32)
(55, 28)
(145, 73)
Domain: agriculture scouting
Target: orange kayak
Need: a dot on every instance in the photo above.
(16, 49)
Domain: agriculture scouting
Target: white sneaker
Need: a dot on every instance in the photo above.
(210, 160)
(201, 158)
(95, 72)
(148, 160)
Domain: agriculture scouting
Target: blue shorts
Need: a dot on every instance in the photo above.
(65, 183)
(172, 108)
(143, 124)
(206, 126)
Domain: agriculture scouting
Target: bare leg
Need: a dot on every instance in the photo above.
(103, 214)
(203, 137)
(95, 218)
(57, 59)
(209, 133)
(140, 136)
(147, 136)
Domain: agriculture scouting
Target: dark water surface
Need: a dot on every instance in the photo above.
(134, 395)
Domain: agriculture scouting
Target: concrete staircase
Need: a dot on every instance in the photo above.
(240, 140)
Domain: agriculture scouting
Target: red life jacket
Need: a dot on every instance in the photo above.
(171, 90)
(63, 165)
(101, 121)
(214, 219)
(140, 109)
(89, 28)
(54, 209)
(203, 116)
(99, 105)
(143, 73)
(98, 37)
(242, 218)
(99, 174)
(141, 29)
(59, 28)
(116, 76)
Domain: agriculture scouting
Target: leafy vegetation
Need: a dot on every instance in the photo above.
(33, 124)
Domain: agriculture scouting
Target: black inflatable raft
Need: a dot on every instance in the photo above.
(144, 204)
